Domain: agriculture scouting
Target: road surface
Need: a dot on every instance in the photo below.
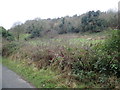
(11, 80)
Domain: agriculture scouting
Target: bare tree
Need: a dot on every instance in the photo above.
(17, 29)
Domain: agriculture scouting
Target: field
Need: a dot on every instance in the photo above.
(65, 61)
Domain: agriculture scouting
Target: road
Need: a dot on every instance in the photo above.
(11, 80)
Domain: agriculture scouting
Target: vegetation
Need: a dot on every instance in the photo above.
(5, 34)
(69, 58)
(39, 78)
(92, 21)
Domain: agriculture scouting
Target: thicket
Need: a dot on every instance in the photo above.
(98, 63)
(102, 63)
(6, 34)
(104, 57)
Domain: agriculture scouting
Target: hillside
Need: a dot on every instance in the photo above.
(67, 61)
(81, 51)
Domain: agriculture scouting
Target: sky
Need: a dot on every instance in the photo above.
(21, 10)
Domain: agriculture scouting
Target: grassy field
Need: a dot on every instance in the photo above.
(65, 61)
(75, 39)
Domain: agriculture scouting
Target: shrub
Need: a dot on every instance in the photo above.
(108, 55)
(8, 49)
(6, 34)
(112, 47)
(113, 42)
(106, 64)
(102, 59)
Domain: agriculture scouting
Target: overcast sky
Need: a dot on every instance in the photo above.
(22, 10)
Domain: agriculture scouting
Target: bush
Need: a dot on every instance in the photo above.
(8, 49)
(102, 59)
(112, 48)
(113, 42)
(107, 57)
(6, 34)
(106, 64)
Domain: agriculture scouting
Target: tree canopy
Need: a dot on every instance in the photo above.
(92, 21)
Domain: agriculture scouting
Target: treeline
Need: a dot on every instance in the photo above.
(92, 21)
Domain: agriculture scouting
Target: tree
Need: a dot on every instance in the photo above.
(6, 34)
(62, 27)
(17, 30)
(91, 22)
(111, 17)
(36, 33)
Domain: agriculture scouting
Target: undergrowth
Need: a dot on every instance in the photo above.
(78, 63)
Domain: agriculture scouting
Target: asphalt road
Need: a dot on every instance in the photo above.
(11, 80)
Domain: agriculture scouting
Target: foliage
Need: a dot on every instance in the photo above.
(111, 17)
(6, 34)
(102, 59)
(17, 30)
(35, 33)
(80, 59)
(9, 48)
(112, 48)
(113, 42)
(91, 22)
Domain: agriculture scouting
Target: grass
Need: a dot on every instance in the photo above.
(44, 49)
(46, 78)
(75, 41)
(39, 78)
